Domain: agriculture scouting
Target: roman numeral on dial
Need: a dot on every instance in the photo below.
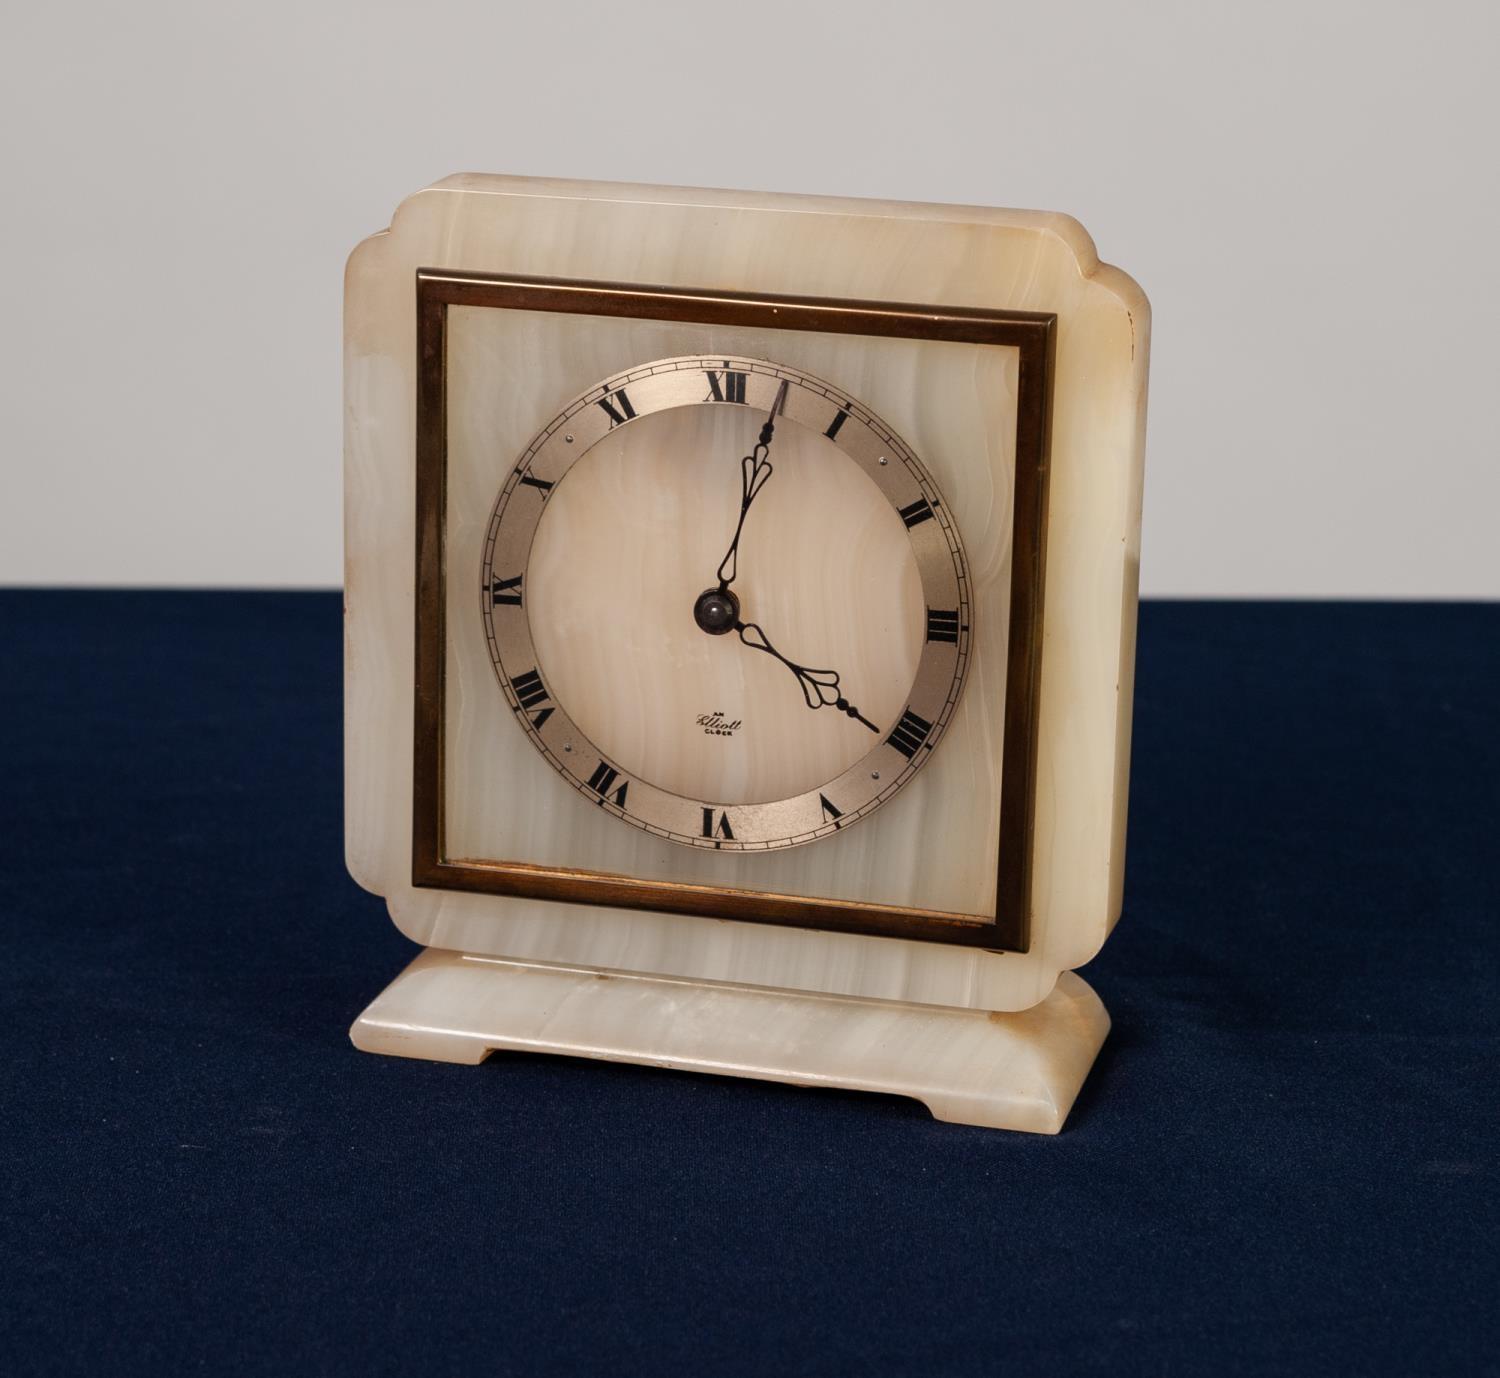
(941, 625)
(831, 811)
(617, 407)
(602, 781)
(909, 734)
(917, 513)
(540, 484)
(725, 387)
(716, 824)
(532, 695)
(833, 426)
(505, 591)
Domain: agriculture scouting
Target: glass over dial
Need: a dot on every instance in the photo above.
(727, 603)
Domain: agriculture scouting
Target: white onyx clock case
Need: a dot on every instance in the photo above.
(740, 597)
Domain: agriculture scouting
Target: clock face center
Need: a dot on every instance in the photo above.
(716, 611)
(826, 573)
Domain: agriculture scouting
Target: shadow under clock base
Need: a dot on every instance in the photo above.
(998, 1070)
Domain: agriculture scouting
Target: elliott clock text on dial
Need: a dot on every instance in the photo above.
(727, 603)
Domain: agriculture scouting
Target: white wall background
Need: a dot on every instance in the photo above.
(1309, 192)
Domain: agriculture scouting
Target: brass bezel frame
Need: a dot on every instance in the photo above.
(1032, 334)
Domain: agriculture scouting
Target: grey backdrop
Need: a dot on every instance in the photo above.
(1307, 191)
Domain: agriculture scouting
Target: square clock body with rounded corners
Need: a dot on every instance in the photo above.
(740, 587)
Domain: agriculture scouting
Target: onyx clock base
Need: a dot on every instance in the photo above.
(1018, 1070)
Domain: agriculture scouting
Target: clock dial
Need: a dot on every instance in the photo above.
(727, 603)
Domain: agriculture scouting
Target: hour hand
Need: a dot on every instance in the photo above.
(820, 688)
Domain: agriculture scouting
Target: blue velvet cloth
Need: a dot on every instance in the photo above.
(1283, 1162)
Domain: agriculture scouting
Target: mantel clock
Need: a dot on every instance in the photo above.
(740, 598)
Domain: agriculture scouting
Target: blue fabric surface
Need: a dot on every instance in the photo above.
(1283, 1162)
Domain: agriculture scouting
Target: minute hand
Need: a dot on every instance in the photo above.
(820, 688)
(755, 469)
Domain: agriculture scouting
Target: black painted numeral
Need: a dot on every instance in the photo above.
(602, 781)
(725, 387)
(716, 824)
(909, 734)
(505, 591)
(538, 483)
(833, 426)
(529, 688)
(531, 693)
(917, 513)
(941, 625)
(831, 811)
(617, 407)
